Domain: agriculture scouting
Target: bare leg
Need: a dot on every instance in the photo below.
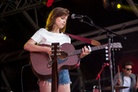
(44, 86)
(64, 88)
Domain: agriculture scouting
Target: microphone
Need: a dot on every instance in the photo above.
(74, 16)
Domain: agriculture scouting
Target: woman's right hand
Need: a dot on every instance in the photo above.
(48, 50)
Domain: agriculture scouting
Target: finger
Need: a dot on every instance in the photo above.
(89, 48)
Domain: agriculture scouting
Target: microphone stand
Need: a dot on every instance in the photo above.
(99, 76)
(110, 39)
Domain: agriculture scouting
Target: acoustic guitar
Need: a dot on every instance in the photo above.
(67, 59)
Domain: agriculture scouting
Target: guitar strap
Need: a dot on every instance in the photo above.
(83, 39)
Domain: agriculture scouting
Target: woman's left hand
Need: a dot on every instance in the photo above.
(85, 52)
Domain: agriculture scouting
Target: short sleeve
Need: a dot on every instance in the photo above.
(37, 36)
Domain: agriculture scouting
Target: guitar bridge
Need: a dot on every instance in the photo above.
(49, 65)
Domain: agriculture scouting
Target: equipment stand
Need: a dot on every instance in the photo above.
(110, 60)
(99, 76)
(110, 35)
(8, 88)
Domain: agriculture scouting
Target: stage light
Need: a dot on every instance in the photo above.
(48, 3)
(113, 4)
(118, 6)
(3, 37)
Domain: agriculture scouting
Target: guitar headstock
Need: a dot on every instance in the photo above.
(116, 45)
(55, 50)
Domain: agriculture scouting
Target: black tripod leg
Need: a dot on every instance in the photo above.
(8, 88)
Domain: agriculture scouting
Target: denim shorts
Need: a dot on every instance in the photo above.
(64, 77)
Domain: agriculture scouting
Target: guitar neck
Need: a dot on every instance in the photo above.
(98, 47)
(92, 48)
(113, 46)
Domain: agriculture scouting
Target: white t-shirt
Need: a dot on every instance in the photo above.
(42, 36)
(127, 83)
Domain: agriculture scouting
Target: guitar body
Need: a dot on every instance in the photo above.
(41, 62)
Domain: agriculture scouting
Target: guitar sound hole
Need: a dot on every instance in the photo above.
(62, 55)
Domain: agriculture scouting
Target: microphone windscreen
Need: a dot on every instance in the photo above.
(73, 16)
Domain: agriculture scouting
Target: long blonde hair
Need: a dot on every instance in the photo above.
(56, 12)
